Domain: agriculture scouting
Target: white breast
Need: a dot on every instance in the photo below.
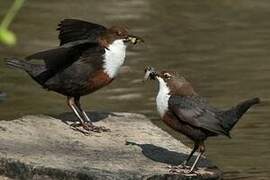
(114, 57)
(162, 97)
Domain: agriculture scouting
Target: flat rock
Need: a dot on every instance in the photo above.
(44, 147)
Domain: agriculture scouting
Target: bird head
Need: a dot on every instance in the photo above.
(118, 33)
(176, 84)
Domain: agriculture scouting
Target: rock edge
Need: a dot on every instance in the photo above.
(44, 147)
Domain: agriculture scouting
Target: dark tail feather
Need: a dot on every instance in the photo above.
(36, 71)
(16, 63)
(244, 106)
(232, 116)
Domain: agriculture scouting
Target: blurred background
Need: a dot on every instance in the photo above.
(222, 47)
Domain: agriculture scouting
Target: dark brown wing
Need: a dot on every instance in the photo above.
(55, 60)
(73, 29)
(75, 79)
(196, 112)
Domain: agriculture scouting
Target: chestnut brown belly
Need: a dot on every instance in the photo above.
(99, 80)
(191, 132)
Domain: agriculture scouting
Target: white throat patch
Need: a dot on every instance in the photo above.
(114, 57)
(162, 97)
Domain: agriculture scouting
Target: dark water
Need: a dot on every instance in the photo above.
(222, 47)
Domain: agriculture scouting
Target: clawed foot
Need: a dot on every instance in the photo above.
(180, 169)
(87, 128)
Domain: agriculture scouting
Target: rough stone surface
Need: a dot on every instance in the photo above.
(44, 147)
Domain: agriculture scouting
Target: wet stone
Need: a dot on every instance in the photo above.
(44, 147)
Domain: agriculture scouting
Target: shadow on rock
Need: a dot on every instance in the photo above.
(163, 155)
(94, 116)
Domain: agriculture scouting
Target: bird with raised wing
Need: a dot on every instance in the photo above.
(89, 57)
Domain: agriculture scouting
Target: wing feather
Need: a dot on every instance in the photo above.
(196, 112)
(57, 59)
(73, 30)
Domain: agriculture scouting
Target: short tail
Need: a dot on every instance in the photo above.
(232, 116)
(16, 63)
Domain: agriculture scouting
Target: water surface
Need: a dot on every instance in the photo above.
(222, 47)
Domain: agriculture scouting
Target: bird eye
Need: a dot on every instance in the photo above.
(167, 75)
(119, 33)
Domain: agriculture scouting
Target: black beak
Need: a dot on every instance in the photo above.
(150, 73)
(133, 39)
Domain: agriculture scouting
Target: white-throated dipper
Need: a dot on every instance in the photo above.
(88, 58)
(182, 109)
